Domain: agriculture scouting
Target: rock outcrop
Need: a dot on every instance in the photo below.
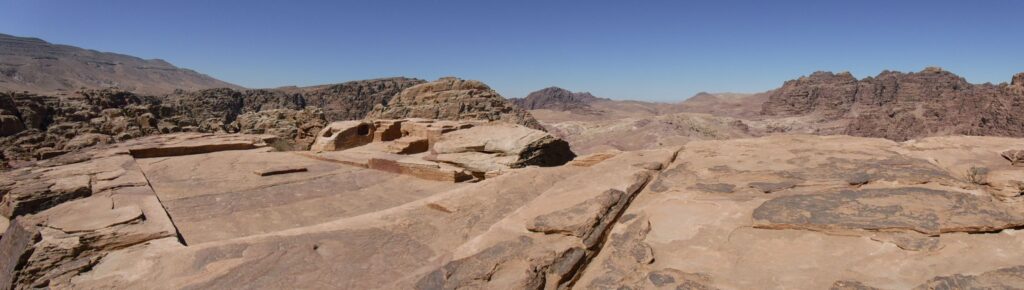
(901, 106)
(555, 98)
(439, 149)
(454, 99)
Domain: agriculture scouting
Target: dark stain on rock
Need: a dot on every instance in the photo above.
(909, 209)
(714, 187)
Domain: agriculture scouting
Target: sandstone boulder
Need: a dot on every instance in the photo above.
(523, 146)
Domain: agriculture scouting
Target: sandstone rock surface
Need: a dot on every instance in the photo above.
(69, 212)
(637, 219)
(916, 222)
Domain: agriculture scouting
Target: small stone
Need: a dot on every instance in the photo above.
(1016, 157)
(859, 178)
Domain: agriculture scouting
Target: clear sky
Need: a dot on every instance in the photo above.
(648, 50)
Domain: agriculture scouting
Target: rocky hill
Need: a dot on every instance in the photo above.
(555, 98)
(454, 99)
(34, 65)
(901, 106)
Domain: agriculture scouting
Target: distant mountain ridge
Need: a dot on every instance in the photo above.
(34, 65)
(555, 98)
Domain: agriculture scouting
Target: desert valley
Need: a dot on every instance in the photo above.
(125, 173)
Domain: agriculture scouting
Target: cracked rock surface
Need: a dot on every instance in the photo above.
(186, 211)
(794, 220)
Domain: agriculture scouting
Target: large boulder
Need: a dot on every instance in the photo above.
(454, 99)
(497, 146)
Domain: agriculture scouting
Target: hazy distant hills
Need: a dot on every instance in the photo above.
(893, 105)
(726, 104)
(31, 64)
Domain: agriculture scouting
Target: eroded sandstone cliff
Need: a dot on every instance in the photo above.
(901, 106)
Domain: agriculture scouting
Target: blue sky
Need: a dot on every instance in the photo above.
(647, 50)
